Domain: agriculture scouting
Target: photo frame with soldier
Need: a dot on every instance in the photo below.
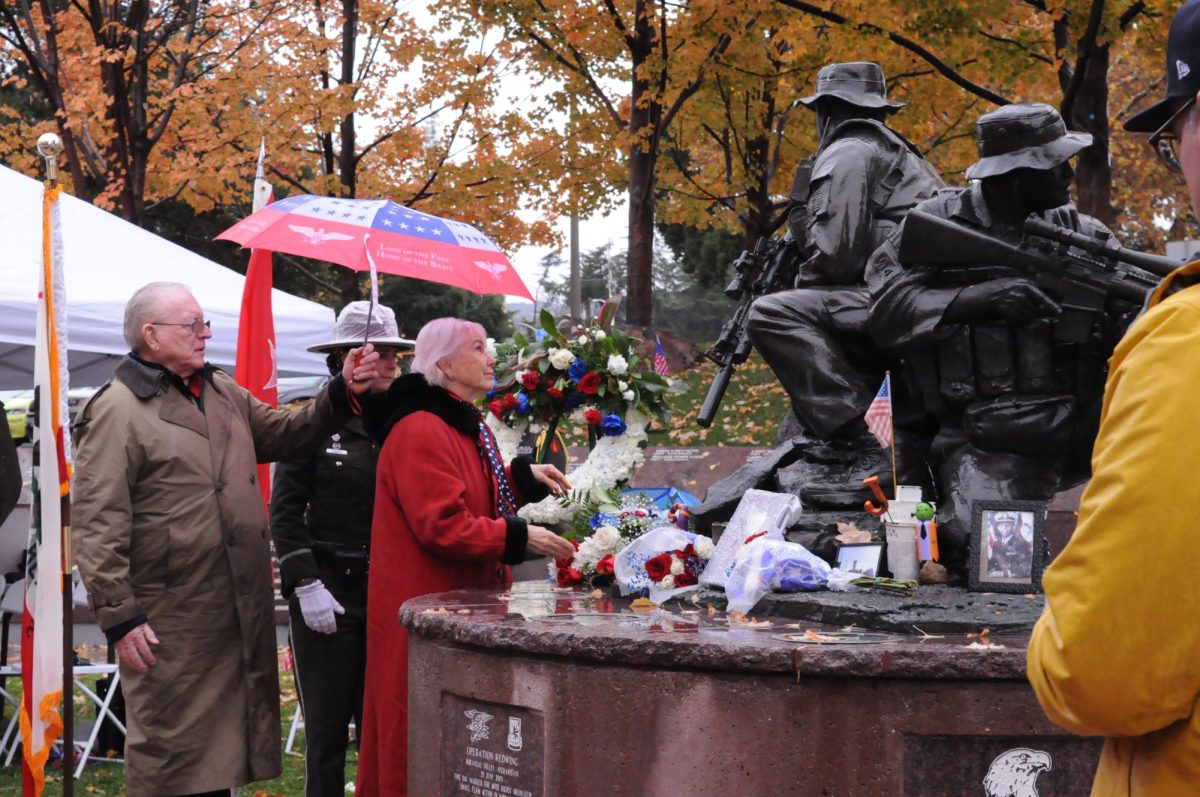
(1008, 546)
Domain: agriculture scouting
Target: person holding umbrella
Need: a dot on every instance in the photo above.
(321, 509)
(445, 518)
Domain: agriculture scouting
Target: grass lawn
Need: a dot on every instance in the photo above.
(105, 779)
(749, 415)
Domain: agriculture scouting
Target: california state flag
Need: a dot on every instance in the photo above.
(255, 366)
(42, 627)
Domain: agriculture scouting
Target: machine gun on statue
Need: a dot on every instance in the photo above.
(1079, 271)
(769, 267)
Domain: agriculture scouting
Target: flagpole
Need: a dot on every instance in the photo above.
(49, 146)
(887, 376)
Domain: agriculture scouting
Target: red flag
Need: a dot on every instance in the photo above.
(255, 369)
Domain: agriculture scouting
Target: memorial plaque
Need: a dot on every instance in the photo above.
(491, 749)
(1003, 766)
(690, 468)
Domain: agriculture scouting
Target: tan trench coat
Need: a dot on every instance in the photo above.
(169, 522)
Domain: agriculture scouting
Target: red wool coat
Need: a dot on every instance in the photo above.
(435, 529)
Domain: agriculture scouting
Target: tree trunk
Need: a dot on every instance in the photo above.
(1089, 113)
(347, 161)
(642, 151)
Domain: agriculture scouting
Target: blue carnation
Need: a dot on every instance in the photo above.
(573, 400)
(522, 403)
(577, 370)
(613, 425)
(539, 334)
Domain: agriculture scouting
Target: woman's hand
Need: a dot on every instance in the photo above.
(358, 369)
(545, 542)
(552, 477)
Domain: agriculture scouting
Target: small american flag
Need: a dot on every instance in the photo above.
(660, 358)
(879, 414)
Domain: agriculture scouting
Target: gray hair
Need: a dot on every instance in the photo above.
(439, 339)
(144, 306)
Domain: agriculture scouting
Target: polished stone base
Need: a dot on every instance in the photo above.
(547, 692)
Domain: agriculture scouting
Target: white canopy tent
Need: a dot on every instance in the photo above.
(105, 260)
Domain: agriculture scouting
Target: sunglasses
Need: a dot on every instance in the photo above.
(1162, 140)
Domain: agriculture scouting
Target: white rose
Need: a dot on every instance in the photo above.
(627, 395)
(617, 364)
(704, 547)
(676, 566)
(582, 340)
(561, 358)
(667, 583)
(622, 385)
(599, 334)
(606, 538)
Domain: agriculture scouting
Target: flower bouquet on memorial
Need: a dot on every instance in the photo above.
(599, 530)
(663, 563)
(591, 372)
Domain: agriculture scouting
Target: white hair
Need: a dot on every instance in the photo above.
(145, 306)
(439, 339)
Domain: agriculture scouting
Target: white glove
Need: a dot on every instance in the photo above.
(318, 606)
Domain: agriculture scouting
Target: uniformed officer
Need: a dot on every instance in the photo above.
(321, 511)
(865, 177)
(1016, 405)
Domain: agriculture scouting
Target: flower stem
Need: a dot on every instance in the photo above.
(543, 450)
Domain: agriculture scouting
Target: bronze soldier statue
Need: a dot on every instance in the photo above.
(1014, 388)
(864, 179)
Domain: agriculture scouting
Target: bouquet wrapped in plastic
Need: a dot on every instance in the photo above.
(768, 565)
(760, 514)
(665, 561)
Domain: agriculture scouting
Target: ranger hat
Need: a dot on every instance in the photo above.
(1183, 69)
(859, 83)
(1029, 136)
(352, 325)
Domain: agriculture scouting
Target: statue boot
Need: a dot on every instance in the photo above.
(840, 486)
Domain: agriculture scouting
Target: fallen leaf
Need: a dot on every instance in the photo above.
(813, 636)
(643, 605)
(596, 593)
(984, 645)
(463, 611)
(711, 610)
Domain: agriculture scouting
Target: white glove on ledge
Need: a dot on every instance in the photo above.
(318, 606)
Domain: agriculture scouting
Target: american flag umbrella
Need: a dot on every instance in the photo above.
(378, 234)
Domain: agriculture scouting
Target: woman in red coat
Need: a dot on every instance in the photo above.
(445, 519)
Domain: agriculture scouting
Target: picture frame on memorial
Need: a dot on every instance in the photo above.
(1008, 546)
(863, 558)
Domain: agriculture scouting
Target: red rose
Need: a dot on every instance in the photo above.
(509, 401)
(606, 566)
(554, 393)
(568, 576)
(496, 407)
(590, 383)
(685, 579)
(593, 417)
(530, 380)
(659, 567)
(565, 561)
(687, 552)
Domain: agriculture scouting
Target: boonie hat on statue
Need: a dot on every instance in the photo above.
(1183, 69)
(351, 326)
(858, 83)
(1031, 136)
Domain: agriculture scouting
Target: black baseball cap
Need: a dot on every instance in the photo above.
(1183, 69)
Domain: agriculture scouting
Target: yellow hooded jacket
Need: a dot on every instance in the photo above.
(1116, 652)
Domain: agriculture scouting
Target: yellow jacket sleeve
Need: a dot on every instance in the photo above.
(1116, 651)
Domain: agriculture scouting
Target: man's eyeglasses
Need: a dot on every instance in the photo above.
(198, 326)
(1162, 141)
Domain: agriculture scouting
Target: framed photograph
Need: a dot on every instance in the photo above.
(1008, 546)
(860, 557)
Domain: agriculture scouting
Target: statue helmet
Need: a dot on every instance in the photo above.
(859, 83)
(1028, 136)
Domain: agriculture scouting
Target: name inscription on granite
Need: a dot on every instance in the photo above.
(491, 749)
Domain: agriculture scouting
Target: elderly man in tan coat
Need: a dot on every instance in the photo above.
(171, 538)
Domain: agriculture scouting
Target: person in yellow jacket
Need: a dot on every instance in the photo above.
(1116, 652)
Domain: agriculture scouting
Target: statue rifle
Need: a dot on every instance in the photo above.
(1081, 272)
(780, 256)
